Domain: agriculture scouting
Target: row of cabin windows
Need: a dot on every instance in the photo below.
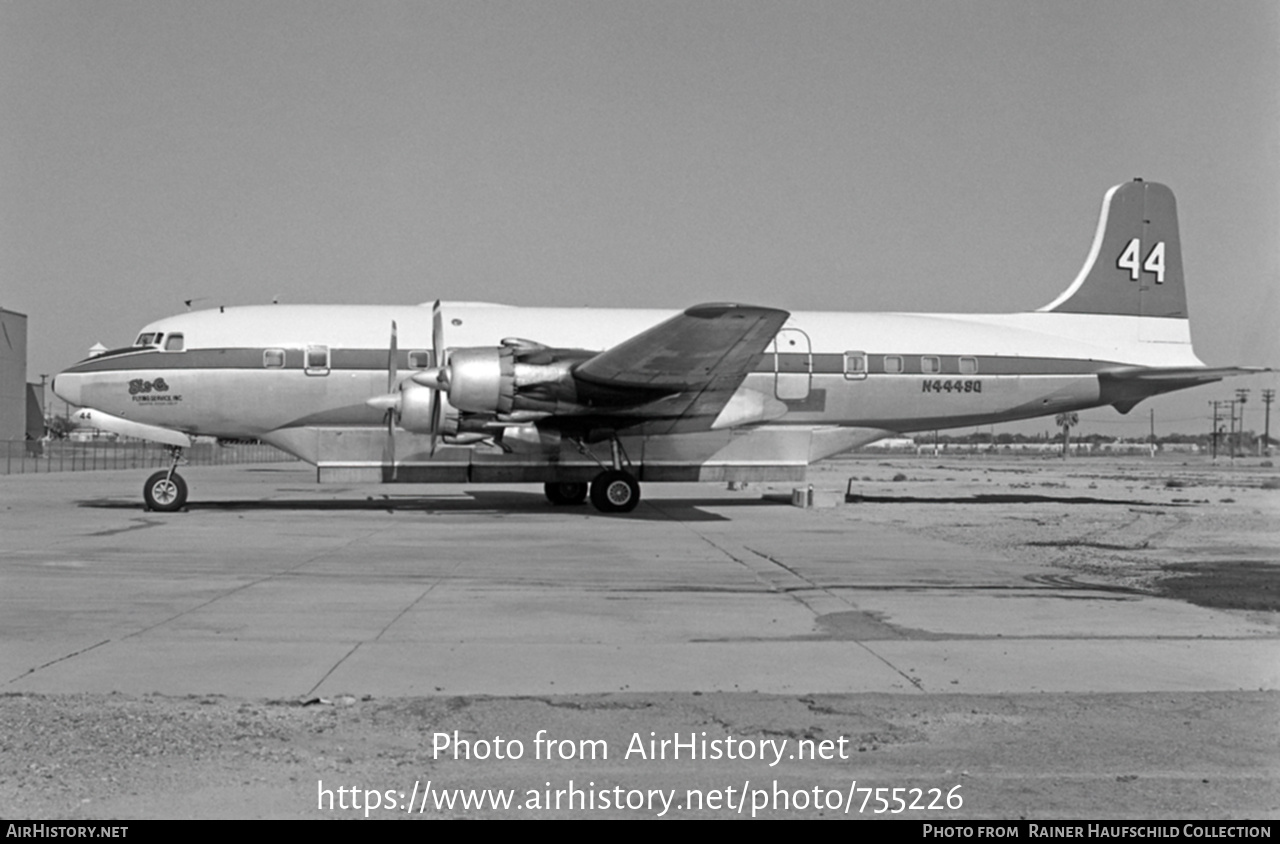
(317, 359)
(855, 364)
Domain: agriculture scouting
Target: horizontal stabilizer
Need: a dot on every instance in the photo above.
(1191, 374)
(1124, 387)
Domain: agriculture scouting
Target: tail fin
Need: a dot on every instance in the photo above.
(1135, 265)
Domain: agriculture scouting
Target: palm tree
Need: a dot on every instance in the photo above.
(1066, 421)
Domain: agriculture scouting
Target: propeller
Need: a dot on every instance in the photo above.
(436, 378)
(393, 409)
(391, 403)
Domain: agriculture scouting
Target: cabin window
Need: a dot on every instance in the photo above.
(855, 365)
(273, 358)
(968, 366)
(419, 359)
(930, 364)
(892, 363)
(317, 360)
(174, 343)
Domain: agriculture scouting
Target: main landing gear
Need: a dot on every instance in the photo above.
(166, 491)
(614, 490)
(564, 494)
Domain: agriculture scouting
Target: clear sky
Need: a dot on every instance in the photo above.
(933, 156)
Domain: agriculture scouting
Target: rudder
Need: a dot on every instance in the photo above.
(1134, 267)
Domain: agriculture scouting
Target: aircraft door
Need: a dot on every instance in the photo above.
(792, 364)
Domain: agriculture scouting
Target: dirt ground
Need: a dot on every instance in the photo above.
(1184, 529)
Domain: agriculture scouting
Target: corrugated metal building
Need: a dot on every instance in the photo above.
(13, 375)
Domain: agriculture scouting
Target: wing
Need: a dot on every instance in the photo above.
(689, 367)
(706, 347)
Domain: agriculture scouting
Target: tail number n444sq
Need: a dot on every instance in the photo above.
(1154, 262)
(951, 386)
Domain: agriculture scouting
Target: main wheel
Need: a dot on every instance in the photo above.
(165, 492)
(561, 494)
(614, 491)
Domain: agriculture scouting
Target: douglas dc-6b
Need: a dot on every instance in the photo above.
(601, 399)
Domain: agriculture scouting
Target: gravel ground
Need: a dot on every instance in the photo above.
(1207, 755)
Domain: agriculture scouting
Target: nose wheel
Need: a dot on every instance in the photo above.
(615, 491)
(165, 491)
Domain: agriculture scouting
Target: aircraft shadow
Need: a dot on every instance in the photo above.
(480, 501)
(1001, 498)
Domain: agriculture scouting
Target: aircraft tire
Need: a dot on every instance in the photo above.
(565, 494)
(165, 493)
(614, 491)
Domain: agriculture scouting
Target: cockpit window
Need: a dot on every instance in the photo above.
(174, 343)
(149, 339)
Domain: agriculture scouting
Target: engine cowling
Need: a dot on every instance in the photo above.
(503, 380)
(482, 380)
(415, 411)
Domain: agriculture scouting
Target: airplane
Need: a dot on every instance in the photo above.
(450, 392)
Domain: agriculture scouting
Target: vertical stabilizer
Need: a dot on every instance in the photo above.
(1135, 265)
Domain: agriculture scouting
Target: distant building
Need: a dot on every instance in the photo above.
(13, 375)
(35, 412)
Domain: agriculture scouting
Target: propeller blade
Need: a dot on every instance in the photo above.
(392, 360)
(437, 360)
(392, 408)
(389, 452)
(437, 335)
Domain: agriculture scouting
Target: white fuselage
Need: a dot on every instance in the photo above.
(299, 376)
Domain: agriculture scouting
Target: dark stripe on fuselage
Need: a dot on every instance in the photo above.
(346, 359)
(789, 362)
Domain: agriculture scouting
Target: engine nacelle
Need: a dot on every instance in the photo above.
(503, 380)
(482, 380)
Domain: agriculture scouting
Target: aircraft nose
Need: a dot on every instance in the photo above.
(66, 386)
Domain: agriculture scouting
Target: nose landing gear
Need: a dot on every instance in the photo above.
(166, 491)
(565, 494)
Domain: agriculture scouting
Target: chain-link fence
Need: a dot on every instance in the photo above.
(19, 457)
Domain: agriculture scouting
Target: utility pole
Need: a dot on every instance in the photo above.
(1213, 432)
(1268, 396)
(1231, 431)
(1242, 395)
